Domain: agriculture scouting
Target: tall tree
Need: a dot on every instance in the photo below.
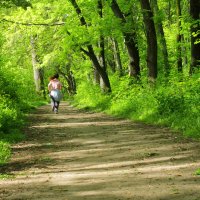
(117, 56)
(195, 35)
(130, 42)
(37, 71)
(169, 7)
(102, 59)
(151, 39)
(179, 37)
(90, 52)
(101, 40)
(161, 37)
(66, 72)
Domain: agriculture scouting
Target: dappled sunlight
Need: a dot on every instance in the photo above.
(74, 124)
(89, 156)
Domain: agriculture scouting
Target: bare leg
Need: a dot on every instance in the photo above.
(56, 106)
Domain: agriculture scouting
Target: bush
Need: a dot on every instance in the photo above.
(174, 104)
(5, 152)
(90, 97)
(9, 115)
(170, 100)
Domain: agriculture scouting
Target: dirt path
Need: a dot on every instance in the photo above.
(77, 155)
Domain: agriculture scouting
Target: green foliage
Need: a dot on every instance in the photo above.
(6, 176)
(8, 116)
(14, 136)
(4, 152)
(170, 100)
(197, 172)
(90, 97)
(174, 104)
(21, 3)
(17, 90)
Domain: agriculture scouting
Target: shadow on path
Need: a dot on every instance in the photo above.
(79, 155)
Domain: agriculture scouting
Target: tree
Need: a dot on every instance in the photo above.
(69, 77)
(37, 70)
(117, 56)
(161, 36)
(90, 52)
(130, 42)
(179, 37)
(195, 35)
(151, 39)
(101, 45)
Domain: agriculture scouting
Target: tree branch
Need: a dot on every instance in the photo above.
(32, 24)
(86, 52)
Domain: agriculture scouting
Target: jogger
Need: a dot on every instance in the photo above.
(54, 88)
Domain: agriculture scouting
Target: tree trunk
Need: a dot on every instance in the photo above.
(179, 37)
(151, 40)
(69, 77)
(98, 67)
(38, 72)
(130, 42)
(102, 60)
(96, 77)
(195, 36)
(169, 12)
(162, 41)
(101, 41)
(117, 57)
(91, 53)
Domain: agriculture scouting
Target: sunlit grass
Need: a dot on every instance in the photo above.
(5, 152)
(6, 176)
(175, 105)
(197, 172)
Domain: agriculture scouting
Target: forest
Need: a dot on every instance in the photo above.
(136, 59)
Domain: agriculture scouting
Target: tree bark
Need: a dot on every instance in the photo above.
(179, 37)
(101, 41)
(151, 40)
(38, 72)
(117, 57)
(91, 53)
(160, 33)
(96, 77)
(69, 77)
(195, 36)
(169, 12)
(102, 59)
(130, 42)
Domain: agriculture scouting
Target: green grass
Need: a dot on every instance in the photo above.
(6, 176)
(10, 135)
(5, 152)
(197, 172)
(175, 104)
(13, 136)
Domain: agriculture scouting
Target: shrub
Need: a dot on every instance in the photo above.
(175, 104)
(9, 115)
(90, 96)
(5, 152)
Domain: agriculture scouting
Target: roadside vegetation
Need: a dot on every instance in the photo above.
(173, 104)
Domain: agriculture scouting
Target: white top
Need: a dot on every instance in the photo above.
(54, 84)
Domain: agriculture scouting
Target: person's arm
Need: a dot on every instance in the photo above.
(50, 86)
(59, 86)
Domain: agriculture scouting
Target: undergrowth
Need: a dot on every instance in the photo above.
(175, 104)
(16, 99)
